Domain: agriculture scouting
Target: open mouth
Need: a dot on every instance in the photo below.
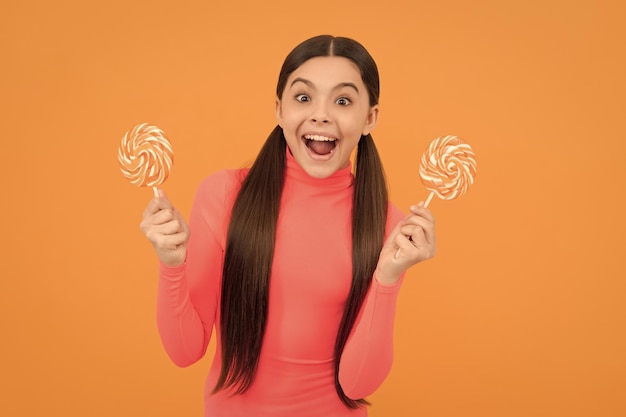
(320, 145)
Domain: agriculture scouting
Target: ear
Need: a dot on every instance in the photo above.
(370, 122)
(279, 112)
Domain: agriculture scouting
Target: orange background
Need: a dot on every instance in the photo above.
(522, 312)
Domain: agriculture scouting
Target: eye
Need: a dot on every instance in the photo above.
(343, 101)
(302, 98)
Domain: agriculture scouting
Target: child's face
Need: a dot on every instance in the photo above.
(323, 112)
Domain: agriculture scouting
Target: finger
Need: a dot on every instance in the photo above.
(420, 210)
(163, 203)
(419, 221)
(155, 233)
(169, 242)
(156, 204)
(403, 243)
(163, 222)
(410, 229)
(164, 216)
(167, 229)
(416, 221)
(406, 248)
(151, 208)
(421, 234)
(179, 238)
(416, 235)
(154, 222)
(173, 242)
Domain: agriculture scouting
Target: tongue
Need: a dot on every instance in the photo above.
(321, 148)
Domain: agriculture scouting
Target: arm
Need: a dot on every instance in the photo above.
(187, 297)
(188, 294)
(368, 355)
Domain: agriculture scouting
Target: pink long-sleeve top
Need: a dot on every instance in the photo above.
(309, 285)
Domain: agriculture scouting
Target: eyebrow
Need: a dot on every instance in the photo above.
(337, 87)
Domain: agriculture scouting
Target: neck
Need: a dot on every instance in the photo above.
(340, 179)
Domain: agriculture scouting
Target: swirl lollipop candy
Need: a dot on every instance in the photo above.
(146, 156)
(447, 168)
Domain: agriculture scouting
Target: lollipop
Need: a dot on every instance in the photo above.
(146, 156)
(447, 168)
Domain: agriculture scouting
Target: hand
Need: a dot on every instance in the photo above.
(411, 241)
(166, 229)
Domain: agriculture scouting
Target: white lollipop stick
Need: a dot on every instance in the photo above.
(430, 197)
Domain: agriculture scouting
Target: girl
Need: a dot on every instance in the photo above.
(296, 262)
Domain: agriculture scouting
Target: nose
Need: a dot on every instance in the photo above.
(320, 114)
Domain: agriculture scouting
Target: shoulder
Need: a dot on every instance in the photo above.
(221, 185)
(215, 196)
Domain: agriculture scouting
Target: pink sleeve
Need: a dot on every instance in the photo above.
(188, 295)
(368, 354)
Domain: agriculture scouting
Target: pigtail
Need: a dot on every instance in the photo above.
(248, 263)
(369, 217)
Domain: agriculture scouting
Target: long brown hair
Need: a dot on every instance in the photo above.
(252, 231)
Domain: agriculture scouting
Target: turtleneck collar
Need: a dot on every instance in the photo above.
(341, 179)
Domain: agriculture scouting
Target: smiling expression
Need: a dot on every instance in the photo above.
(323, 112)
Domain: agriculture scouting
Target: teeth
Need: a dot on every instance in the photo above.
(319, 138)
